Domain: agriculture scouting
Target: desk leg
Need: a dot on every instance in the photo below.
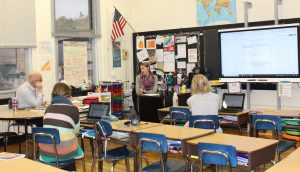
(26, 143)
(240, 130)
(135, 160)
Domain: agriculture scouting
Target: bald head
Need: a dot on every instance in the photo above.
(34, 77)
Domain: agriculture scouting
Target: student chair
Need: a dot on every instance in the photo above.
(204, 121)
(6, 135)
(179, 114)
(216, 154)
(268, 122)
(103, 130)
(157, 143)
(50, 136)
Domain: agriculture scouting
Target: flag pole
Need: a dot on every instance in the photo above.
(128, 23)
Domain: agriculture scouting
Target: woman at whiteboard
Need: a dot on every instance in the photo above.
(203, 101)
(146, 81)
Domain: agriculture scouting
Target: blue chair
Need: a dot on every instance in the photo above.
(268, 122)
(179, 114)
(216, 154)
(204, 121)
(103, 130)
(50, 136)
(157, 143)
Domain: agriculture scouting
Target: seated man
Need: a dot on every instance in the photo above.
(30, 95)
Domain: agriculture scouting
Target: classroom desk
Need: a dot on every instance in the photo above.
(260, 150)
(175, 133)
(26, 165)
(242, 118)
(290, 163)
(8, 114)
(119, 126)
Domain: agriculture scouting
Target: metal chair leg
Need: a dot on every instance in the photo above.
(127, 165)
(113, 167)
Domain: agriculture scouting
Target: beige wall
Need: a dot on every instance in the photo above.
(149, 15)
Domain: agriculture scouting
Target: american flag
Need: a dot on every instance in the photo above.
(118, 25)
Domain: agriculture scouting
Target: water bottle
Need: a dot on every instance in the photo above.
(14, 103)
(175, 99)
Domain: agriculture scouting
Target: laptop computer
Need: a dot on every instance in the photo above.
(232, 103)
(96, 112)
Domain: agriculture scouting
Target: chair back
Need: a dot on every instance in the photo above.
(103, 129)
(179, 113)
(267, 122)
(152, 142)
(204, 121)
(45, 136)
(223, 155)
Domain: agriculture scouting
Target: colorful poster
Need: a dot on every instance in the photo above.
(169, 43)
(116, 49)
(44, 48)
(211, 12)
(45, 62)
(150, 44)
(140, 42)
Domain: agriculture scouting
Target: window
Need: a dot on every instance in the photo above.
(13, 68)
(74, 16)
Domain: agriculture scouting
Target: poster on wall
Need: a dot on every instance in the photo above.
(44, 49)
(140, 42)
(116, 50)
(169, 43)
(75, 62)
(216, 12)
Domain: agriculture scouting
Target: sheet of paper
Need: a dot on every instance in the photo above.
(150, 44)
(180, 39)
(192, 40)
(160, 65)
(169, 56)
(285, 89)
(169, 44)
(159, 40)
(140, 42)
(142, 55)
(181, 50)
(190, 67)
(234, 87)
(181, 65)
(169, 67)
(192, 55)
(159, 55)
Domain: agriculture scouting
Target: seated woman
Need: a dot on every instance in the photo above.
(203, 101)
(64, 116)
(146, 81)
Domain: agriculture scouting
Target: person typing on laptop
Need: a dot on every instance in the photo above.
(203, 101)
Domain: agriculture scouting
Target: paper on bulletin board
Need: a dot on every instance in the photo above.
(285, 89)
(192, 55)
(180, 39)
(192, 40)
(140, 42)
(142, 55)
(169, 44)
(159, 39)
(190, 67)
(169, 67)
(159, 55)
(181, 50)
(169, 56)
(160, 65)
(150, 44)
(181, 65)
(75, 62)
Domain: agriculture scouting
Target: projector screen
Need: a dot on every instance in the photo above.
(265, 52)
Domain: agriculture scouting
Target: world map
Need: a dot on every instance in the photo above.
(215, 12)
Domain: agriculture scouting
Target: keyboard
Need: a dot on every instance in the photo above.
(230, 110)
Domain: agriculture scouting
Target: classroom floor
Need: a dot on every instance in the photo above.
(120, 167)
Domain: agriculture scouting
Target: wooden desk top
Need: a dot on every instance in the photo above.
(167, 109)
(119, 126)
(290, 163)
(21, 114)
(26, 165)
(243, 144)
(282, 113)
(176, 132)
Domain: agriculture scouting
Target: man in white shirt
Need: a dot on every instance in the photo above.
(30, 93)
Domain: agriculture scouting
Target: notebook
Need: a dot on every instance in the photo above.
(96, 112)
(232, 103)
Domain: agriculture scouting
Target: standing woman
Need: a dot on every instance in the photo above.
(64, 116)
(146, 81)
(203, 101)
